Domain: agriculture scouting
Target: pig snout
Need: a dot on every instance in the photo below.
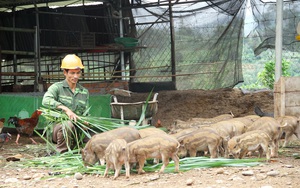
(88, 158)
(182, 152)
(230, 156)
(234, 149)
(235, 154)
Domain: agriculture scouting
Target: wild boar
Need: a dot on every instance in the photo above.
(290, 126)
(117, 155)
(227, 129)
(270, 126)
(94, 149)
(246, 121)
(238, 146)
(197, 122)
(179, 124)
(239, 124)
(162, 146)
(199, 140)
(150, 131)
(252, 117)
(182, 132)
(215, 119)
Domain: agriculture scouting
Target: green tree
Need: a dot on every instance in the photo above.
(267, 75)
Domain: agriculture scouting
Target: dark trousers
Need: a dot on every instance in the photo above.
(63, 136)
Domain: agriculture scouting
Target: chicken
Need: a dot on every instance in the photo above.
(25, 126)
(2, 120)
(158, 124)
(4, 137)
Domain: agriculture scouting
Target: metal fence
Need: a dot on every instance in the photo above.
(196, 45)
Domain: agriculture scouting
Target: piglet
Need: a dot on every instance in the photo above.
(161, 146)
(238, 146)
(116, 154)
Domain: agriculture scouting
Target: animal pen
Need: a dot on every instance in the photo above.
(169, 44)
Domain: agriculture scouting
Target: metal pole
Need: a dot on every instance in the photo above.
(173, 63)
(121, 35)
(37, 50)
(36, 59)
(278, 42)
(15, 68)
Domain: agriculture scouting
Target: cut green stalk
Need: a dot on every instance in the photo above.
(142, 117)
(71, 162)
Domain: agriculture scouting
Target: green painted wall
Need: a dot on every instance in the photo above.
(23, 106)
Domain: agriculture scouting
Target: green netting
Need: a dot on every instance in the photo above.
(22, 106)
(208, 39)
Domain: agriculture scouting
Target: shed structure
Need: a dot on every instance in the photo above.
(181, 44)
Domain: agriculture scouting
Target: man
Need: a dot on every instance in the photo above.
(69, 97)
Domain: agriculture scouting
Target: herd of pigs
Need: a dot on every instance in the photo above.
(221, 136)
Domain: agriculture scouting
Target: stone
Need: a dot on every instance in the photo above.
(78, 176)
(273, 173)
(220, 171)
(266, 186)
(189, 182)
(248, 173)
(289, 166)
(26, 177)
(11, 180)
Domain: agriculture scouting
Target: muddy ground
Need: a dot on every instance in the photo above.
(283, 171)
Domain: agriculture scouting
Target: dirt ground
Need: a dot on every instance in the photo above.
(283, 171)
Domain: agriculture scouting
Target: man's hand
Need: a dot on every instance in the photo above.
(70, 113)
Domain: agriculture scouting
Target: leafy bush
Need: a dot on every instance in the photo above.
(267, 75)
(252, 86)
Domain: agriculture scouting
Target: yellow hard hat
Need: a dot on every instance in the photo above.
(71, 61)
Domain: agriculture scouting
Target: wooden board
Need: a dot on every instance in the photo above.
(287, 96)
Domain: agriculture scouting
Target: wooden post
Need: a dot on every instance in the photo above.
(282, 96)
(279, 97)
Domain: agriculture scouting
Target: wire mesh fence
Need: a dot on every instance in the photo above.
(197, 44)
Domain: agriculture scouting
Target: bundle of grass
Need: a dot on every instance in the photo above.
(86, 126)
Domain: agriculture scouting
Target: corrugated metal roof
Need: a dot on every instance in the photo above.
(12, 3)
(7, 5)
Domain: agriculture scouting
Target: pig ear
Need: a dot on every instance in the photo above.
(103, 146)
(226, 138)
(180, 139)
(181, 142)
(238, 140)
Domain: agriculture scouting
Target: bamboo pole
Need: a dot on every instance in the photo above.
(145, 76)
(17, 74)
